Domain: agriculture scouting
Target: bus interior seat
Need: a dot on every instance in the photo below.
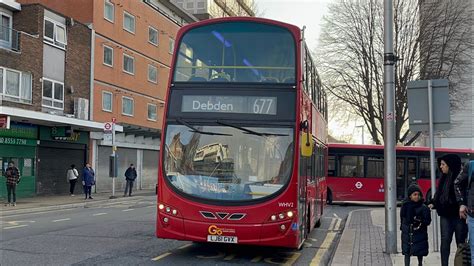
(199, 79)
(219, 79)
(270, 80)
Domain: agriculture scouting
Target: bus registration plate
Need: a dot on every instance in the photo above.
(222, 239)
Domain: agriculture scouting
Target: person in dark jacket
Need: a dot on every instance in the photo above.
(464, 191)
(88, 180)
(446, 205)
(12, 175)
(130, 176)
(415, 218)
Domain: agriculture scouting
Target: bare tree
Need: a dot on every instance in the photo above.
(429, 38)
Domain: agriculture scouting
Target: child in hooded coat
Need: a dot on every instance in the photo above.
(415, 218)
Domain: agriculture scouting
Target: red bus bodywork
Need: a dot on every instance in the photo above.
(256, 226)
(371, 189)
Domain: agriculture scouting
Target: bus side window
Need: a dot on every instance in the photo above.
(425, 172)
(352, 166)
(331, 165)
(375, 166)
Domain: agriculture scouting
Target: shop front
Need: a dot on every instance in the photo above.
(18, 145)
(59, 148)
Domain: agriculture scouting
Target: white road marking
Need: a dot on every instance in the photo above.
(161, 256)
(335, 215)
(16, 226)
(100, 213)
(127, 210)
(61, 220)
(185, 246)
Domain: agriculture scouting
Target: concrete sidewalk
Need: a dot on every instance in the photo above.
(363, 242)
(56, 202)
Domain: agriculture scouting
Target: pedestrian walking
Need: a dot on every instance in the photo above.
(415, 218)
(446, 205)
(88, 180)
(72, 176)
(464, 191)
(12, 175)
(130, 176)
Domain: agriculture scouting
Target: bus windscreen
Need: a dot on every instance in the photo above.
(221, 53)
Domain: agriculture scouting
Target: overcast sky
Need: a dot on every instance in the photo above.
(297, 12)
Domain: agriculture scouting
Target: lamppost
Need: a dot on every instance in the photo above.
(362, 130)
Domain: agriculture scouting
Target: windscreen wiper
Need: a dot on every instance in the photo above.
(248, 131)
(182, 122)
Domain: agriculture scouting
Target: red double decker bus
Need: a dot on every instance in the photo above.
(356, 172)
(244, 136)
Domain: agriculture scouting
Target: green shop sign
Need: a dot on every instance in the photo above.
(17, 141)
(20, 131)
(59, 134)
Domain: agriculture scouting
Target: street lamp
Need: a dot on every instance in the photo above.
(361, 128)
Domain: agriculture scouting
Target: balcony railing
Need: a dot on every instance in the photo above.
(9, 38)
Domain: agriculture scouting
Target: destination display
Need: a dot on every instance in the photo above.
(229, 104)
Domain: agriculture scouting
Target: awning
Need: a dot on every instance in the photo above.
(45, 119)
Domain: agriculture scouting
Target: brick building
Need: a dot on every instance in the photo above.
(45, 78)
(132, 47)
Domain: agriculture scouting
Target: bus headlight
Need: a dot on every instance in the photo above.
(165, 219)
(161, 206)
(273, 217)
(289, 214)
(174, 212)
(168, 209)
(281, 216)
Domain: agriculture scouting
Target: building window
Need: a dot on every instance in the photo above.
(5, 29)
(15, 85)
(171, 46)
(53, 94)
(107, 101)
(128, 64)
(190, 5)
(128, 22)
(152, 36)
(109, 11)
(152, 74)
(152, 112)
(127, 106)
(108, 56)
(54, 33)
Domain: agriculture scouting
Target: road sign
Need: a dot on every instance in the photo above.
(107, 126)
(418, 105)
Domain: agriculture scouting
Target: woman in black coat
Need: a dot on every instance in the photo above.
(415, 218)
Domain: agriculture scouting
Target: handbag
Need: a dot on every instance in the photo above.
(463, 254)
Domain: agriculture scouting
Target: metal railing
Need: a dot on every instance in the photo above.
(9, 38)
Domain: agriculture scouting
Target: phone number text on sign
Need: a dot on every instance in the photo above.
(12, 141)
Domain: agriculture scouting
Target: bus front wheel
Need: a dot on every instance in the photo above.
(329, 197)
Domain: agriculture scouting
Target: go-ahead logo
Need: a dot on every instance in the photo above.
(214, 230)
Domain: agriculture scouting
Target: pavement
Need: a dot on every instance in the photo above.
(57, 202)
(363, 242)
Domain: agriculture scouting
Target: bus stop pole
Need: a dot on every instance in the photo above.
(389, 132)
(432, 164)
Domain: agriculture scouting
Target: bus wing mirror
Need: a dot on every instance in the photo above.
(307, 144)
